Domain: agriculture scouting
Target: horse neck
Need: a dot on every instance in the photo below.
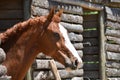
(22, 52)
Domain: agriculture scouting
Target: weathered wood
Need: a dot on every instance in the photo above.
(27, 12)
(63, 74)
(113, 64)
(113, 56)
(11, 14)
(91, 74)
(113, 47)
(92, 34)
(77, 78)
(5, 78)
(90, 24)
(2, 54)
(112, 72)
(78, 46)
(54, 70)
(115, 1)
(75, 37)
(42, 3)
(113, 14)
(72, 18)
(90, 58)
(113, 40)
(37, 11)
(113, 25)
(90, 17)
(91, 50)
(102, 47)
(4, 24)
(13, 4)
(91, 41)
(83, 4)
(113, 78)
(113, 33)
(44, 64)
(91, 66)
(72, 27)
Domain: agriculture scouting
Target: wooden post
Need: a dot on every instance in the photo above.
(54, 70)
(27, 11)
(102, 47)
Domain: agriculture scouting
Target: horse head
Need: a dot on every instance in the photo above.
(57, 43)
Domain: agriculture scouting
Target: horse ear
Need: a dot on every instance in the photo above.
(59, 13)
(49, 18)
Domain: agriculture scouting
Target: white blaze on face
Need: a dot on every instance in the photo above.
(68, 44)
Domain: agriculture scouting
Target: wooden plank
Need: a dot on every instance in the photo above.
(91, 50)
(113, 33)
(91, 58)
(113, 56)
(75, 37)
(83, 4)
(113, 64)
(113, 47)
(72, 18)
(4, 24)
(112, 72)
(27, 9)
(77, 78)
(54, 70)
(113, 25)
(91, 66)
(12, 4)
(11, 14)
(91, 74)
(78, 46)
(73, 27)
(90, 34)
(113, 78)
(115, 1)
(40, 64)
(63, 74)
(5, 78)
(90, 17)
(37, 11)
(113, 40)
(113, 14)
(91, 41)
(90, 24)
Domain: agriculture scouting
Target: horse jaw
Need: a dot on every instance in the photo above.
(68, 44)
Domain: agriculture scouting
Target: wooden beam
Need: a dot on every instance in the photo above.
(27, 11)
(83, 4)
(54, 70)
(102, 48)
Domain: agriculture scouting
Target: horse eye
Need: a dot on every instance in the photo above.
(57, 36)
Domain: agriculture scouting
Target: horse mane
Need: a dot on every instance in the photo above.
(20, 27)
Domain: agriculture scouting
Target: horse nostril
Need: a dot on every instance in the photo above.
(76, 63)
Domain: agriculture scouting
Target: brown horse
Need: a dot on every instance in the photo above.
(44, 34)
